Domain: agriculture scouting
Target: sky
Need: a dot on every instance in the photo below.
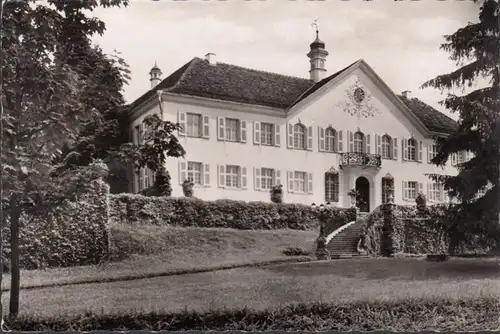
(399, 39)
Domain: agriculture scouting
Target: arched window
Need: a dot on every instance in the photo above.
(386, 147)
(359, 139)
(412, 149)
(299, 137)
(330, 139)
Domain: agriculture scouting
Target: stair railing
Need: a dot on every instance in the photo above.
(337, 231)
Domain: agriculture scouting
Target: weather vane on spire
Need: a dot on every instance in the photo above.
(315, 24)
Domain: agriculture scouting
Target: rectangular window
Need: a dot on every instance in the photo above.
(300, 179)
(331, 187)
(137, 132)
(266, 134)
(435, 192)
(233, 176)
(267, 178)
(232, 129)
(387, 189)
(193, 126)
(194, 170)
(411, 190)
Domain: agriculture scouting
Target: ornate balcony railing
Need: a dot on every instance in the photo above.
(360, 159)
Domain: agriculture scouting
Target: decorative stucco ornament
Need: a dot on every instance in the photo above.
(357, 102)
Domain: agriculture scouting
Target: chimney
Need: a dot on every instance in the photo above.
(211, 58)
(406, 94)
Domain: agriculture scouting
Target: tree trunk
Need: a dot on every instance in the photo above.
(15, 214)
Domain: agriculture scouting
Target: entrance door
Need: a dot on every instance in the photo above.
(363, 198)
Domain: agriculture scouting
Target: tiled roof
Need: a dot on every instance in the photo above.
(239, 84)
(432, 119)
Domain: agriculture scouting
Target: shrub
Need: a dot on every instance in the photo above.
(193, 212)
(405, 316)
(187, 188)
(277, 194)
(162, 183)
(71, 234)
(296, 251)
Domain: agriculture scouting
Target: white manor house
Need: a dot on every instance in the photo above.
(246, 130)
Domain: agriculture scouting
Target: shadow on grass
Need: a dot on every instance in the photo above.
(394, 269)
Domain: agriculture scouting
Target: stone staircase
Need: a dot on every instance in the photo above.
(344, 244)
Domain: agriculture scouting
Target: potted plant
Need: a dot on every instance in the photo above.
(187, 188)
(277, 194)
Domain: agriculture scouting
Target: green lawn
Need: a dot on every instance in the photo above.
(260, 288)
(146, 250)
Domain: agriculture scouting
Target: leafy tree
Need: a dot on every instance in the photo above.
(62, 108)
(53, 80)
(476, 50)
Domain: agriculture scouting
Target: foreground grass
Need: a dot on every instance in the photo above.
(471, 314)
(149, 251)
(341, 281)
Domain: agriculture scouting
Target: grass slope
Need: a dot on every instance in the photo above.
(342, 281)
(146, 250)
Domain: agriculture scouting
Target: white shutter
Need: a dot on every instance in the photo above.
(310, 138)
(340, 142)
(221, 177)
(243, 131)
(221, 128)
(378, 143)
(256, 133)
(290, 135)
(182, 171)
(206, 175)
(290, 181)
(206, 127)
(368, 148)
(277, 177)
(321, 139)
(453, 159)
(404, 143)
(405, 190)
(350, 135)
(395, 149)
(256, 178)
(277, 136)
(420, 187)
(309, 183)
(429, 191)
(420, 151)
(243, 175)
(429, 151)
(181, 119)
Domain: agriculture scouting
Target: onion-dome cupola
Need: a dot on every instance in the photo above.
(317, 58)
(155, 75)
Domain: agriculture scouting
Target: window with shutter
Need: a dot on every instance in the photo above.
(290, 181)
(330, 140)
(395, 148)
(299, 137)
(309, 183)
(182, 171)
(310, 138)
(221, 171)
(206, 175)
(181, 119)
(243, 131)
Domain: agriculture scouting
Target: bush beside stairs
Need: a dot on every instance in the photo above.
(344, 244)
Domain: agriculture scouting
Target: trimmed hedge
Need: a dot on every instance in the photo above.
(408, 316)
(414, 232)
(193, 212)
(71, 234)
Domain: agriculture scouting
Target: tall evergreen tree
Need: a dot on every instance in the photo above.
(476, 50)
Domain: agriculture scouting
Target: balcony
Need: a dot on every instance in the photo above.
(354, 159)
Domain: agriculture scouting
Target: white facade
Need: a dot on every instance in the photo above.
(211, 150)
